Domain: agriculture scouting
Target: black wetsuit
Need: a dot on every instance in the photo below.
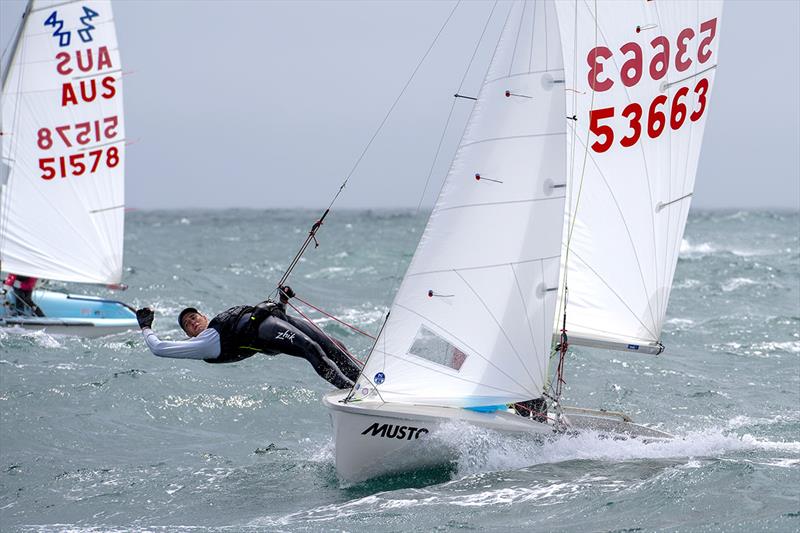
(243, 331)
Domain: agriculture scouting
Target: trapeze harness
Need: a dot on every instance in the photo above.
(238, 331)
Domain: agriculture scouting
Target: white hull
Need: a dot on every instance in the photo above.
(374, 439)
(77, 327)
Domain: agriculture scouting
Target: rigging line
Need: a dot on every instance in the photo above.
(318, 224)
(533, 32)
(546, 47)
(595, 16)
(480, 91)
(394, 104)
(342, 322)
(516, 40)
(452, 107)
(574, 214)
(574, 132)
(498, 324)
(331, 339)
(441, 140)
(447, 123)
(450, 114)
(361, 373)
(453, 336)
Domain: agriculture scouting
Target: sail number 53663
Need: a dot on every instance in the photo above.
(656, 120)
(632, 69)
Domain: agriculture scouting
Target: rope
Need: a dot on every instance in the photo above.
(334, 318)
(316, 226)
(562, 348)
(530, 411)
(337, 344)
(441, 141)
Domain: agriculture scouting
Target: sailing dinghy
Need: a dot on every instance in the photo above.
(559, 223)
(63, 152)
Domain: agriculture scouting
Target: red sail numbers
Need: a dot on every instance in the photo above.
(87, 78)
(85, 62)
(653, 117)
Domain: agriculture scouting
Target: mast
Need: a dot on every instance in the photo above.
(17, 35)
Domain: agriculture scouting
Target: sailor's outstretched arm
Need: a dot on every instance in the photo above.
(204, 346)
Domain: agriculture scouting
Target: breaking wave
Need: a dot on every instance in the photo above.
(480, 450)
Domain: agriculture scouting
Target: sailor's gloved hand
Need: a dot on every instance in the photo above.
(145, 317)
(286, 293)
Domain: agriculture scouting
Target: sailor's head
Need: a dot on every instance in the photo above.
(192, 321)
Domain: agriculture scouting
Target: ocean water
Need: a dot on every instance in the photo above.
(99, 435)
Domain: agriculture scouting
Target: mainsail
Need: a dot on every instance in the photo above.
(472, 321)
(639, 76)
(63, 132)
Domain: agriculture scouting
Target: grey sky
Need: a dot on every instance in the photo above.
(269, 104)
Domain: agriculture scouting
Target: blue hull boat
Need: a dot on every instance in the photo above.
(68, 314)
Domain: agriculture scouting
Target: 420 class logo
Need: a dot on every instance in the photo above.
(65, 37)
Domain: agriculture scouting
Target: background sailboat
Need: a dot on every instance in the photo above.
(604, 102)
(63, 152)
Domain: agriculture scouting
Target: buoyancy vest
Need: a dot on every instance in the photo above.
(238, 329)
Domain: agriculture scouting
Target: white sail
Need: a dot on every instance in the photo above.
(472, 321)
(62, 207)
(639, 76)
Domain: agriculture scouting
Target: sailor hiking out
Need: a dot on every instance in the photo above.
(243, 331)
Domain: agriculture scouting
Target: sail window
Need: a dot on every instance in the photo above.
(428, 345)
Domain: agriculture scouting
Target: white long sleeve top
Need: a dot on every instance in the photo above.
(205, 346)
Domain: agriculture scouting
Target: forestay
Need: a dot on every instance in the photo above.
(62, 208)
(639, 77)
(472, 322)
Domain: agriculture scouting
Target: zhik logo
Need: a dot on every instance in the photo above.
(285, 335)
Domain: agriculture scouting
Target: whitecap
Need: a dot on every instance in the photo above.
(694, 249)
(736, 283)
(481, 450)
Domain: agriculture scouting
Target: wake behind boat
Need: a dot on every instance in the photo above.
(62, 188)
